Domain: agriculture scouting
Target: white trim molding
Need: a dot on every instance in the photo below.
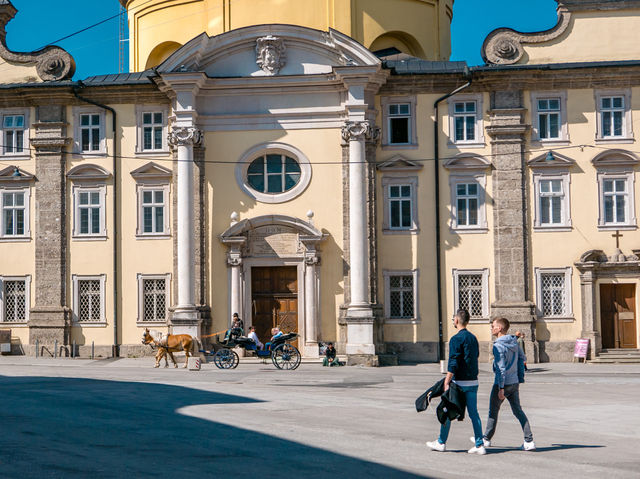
(563, 125)
(478, 140)
(412, 183)
(141, 278)
(25, 154)
(78, 111)
(102, 321)
(255, 152)
(484, 288)
(626, 135)
(27, 299)
(385, 103)
(567, 313)
(414, 274)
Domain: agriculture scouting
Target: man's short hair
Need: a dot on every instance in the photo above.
(463, 316)
(329, 344)
(503, 323)
(252, 328)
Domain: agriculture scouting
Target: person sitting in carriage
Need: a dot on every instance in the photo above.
(254, 337)
(236, 330)
(275, 334)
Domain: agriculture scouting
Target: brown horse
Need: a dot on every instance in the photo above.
(168, 345)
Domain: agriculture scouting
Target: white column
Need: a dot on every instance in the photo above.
(310, 308)
(359, 313)
(236, 287)
(185, 318)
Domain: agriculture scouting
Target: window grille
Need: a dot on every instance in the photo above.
(89, 300)
(553, 294)
(15, 302)
(401, 298)
(154, 291)
(470, 294)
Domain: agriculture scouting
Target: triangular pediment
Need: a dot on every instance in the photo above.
(555, 161)
(268, 50)
(88, 172)
(399, 163)
(13, 174)
(151, 170)
(615, 158)
(467, 162)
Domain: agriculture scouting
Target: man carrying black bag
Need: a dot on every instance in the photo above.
(462, 370)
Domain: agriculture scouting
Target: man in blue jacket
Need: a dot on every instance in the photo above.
(463, 371)
(508, 366)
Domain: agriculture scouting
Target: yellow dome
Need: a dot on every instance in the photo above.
(419, 28)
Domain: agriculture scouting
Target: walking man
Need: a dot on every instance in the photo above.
(463, 371)
(508, 366)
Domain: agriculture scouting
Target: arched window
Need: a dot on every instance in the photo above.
(273, 173)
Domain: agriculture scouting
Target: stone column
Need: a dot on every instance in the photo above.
(234, 261)
(185, 318)
(360, 338)
(49, 318)
(588, 290)
(310, 307)
(512, 296)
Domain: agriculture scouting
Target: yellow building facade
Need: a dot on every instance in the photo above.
(319, 167)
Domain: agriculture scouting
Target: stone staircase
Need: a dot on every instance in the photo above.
(608, 356)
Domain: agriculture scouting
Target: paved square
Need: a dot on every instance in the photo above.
(122, 418)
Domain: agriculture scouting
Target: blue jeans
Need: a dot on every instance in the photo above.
(471, 395)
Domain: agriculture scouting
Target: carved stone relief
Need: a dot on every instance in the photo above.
(279, 241)
(182, 136)
(270, 54)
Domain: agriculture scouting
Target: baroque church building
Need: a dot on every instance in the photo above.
(320, 166)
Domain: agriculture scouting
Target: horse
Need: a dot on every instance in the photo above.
(168, 345)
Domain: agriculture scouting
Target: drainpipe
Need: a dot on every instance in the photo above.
(114, 156)
(436, 164)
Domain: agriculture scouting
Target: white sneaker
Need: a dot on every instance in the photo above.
(528, 446)
(436, 446)
(486, 441)
(480, 450)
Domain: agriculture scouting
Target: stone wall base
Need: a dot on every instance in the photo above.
(421, 352)
(556, 351)
(369, 360)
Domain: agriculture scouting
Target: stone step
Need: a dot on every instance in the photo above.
(629, 360)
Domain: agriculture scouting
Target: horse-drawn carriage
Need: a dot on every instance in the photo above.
(283, 354)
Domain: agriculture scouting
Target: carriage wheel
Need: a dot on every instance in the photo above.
(226, 359)
(286, 356)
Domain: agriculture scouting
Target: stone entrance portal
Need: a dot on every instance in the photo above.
(274, 278)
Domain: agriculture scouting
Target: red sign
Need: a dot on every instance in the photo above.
(581, 348)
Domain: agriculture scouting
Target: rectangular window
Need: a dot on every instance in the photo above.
(13, 129)
(549, 118)
(89, 212)
(15, 301)
(90, 132)
(400, 206)
(153, 206)
(553, 294)
(612, 113)
(401, 297)
(399, 116)
(89, 300)
(14, 213)
(464, 114)
(467, 203)
(154, 299)
(615, 200)
(152, 130)
(471, 289)
(551, 197)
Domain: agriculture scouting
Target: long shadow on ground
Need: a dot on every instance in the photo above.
(68, 427)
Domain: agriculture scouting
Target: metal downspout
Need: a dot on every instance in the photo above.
(436, 155)
(114, 156)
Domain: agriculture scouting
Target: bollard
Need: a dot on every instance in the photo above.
(92, 349)
(442, 367)
(37, 346)
(73, 351)
(55, 349)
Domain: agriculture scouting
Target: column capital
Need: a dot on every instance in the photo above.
(234, 260)
(359, 130)
(185, 136)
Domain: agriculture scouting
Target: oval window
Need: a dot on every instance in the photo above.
(273, 173)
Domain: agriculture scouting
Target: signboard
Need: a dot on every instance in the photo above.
(581, 349)
(274, 241)
(5, 340)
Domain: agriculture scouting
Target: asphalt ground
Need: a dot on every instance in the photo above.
(118, 418)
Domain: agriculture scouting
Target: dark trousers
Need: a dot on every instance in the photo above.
(511, 392)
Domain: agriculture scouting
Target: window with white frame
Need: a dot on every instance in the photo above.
(401, 295)
(615, 198)
(399, 120)
(471, 292)
(89, 299)
(464, 118)
(152, 130)
(153, 298)
(400, 205)
(554, 292)
(614, 115)
(13, 133)
(14, 299)
(552, 208)
(468, 202)
(549, 117)
(90, 132)
(15, 213)
(153, 218)
(89, 211)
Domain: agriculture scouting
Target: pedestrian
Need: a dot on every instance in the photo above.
(508, 366)
(520, 335)
(330, 358)
(462, 370)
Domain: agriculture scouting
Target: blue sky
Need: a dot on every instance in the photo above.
(41, 22)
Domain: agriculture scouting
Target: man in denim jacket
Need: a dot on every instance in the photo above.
(508, 366)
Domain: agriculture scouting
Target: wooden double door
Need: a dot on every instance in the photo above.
(618, 315)
(274, 300)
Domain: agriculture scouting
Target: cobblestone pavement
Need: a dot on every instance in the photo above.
(122, 418)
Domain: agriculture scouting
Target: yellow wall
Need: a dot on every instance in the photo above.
(416, 27)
